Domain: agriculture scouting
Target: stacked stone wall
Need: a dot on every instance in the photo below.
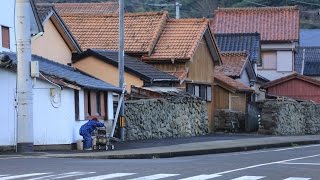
(164, 118)
(289, 117)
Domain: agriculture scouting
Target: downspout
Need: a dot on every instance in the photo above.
(302, 63)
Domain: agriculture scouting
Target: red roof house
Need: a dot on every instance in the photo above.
(294, 86)
(279, 31)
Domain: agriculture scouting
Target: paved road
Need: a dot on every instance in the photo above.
(295, 163)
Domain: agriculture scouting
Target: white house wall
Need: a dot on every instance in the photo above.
(7, 110)
(244, 78)
(285, 59)
(50, 125)
(7, 19)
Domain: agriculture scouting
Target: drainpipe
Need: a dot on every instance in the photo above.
(302, 63)
(24, 81)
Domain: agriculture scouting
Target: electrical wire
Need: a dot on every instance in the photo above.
(312, 4)
(54, 102)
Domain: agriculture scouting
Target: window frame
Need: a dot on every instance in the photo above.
(263, 61)
(200, 90)
(95, 104)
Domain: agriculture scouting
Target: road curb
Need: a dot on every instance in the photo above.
(198, 152)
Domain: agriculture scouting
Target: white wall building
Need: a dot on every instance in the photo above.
(58, 114)
(7, 23)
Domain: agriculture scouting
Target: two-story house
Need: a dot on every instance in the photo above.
(184, 48)
(279, 31)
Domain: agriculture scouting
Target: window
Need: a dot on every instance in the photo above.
(98, 103)
(95, 103)
(5, 37)
(269, 60)
(200, 90)
(76, 104)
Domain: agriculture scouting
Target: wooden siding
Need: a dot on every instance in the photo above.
(201, 68)
(297, 89)
(170, 66)
(238, 102)
(221, 98)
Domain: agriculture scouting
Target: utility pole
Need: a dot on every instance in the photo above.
(121, 65)
(178, 10)
(24, 81)
(177, 5)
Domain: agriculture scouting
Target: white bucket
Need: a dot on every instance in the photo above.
(79, 145)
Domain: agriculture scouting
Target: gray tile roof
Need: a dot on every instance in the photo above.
(68, 73)
(235, 42)
(144, 71)
(44, 9)
(309, 37)
(311, 61)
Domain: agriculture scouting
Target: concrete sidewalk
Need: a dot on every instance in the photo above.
(187, 147)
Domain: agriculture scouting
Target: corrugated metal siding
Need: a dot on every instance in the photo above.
(296, 89)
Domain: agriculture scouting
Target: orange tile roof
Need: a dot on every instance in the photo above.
(101, 31)
(179, 39)
(233, 63)
(273, 23)
(87, 8)
(229, 83)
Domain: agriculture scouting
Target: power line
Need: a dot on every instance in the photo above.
(312, 4)
(256, 3)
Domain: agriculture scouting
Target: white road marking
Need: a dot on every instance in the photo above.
(297, 178)
(107, 176)
(249, 178)
(313, 164)
(24, 157)
(202, 177)
(266, 151)
(63, 175)
(265, 164)
(22, 176)
(156, 176)
(72, 174)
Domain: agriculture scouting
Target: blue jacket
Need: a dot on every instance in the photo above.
(89, 126)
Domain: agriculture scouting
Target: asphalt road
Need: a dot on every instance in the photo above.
(295, 163)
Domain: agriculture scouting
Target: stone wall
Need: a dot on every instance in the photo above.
(223, 119)
(289, 117)
(163, 118)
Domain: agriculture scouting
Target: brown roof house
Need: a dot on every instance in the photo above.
(279, 31)
(234, 83)
(295, 86)
(56, 43)
(187, 49)
(184, 48)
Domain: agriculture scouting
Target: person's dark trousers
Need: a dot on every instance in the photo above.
(87, 144)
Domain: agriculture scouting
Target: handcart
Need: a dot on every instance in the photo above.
(101, 139)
